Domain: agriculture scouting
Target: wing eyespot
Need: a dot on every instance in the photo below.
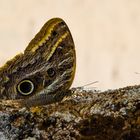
(51, 72)
(25, 87)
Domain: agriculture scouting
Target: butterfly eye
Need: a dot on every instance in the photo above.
(51, 72)
(25, 87)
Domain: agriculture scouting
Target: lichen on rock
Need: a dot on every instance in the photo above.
(86, 114)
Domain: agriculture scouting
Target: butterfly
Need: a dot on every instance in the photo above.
(45, 71)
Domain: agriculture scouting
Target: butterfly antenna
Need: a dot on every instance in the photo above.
(88, 84)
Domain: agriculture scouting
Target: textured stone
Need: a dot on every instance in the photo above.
(87, 114)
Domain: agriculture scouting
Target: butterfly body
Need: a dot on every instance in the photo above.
(44, 70)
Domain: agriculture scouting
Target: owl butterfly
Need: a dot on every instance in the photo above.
(45, 71)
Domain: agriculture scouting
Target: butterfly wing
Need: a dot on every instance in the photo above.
(46, 68)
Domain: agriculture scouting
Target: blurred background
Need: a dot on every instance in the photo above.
(106, 35)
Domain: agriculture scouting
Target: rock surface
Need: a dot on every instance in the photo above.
(86, 115)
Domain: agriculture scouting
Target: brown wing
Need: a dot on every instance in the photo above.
(47, 66)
